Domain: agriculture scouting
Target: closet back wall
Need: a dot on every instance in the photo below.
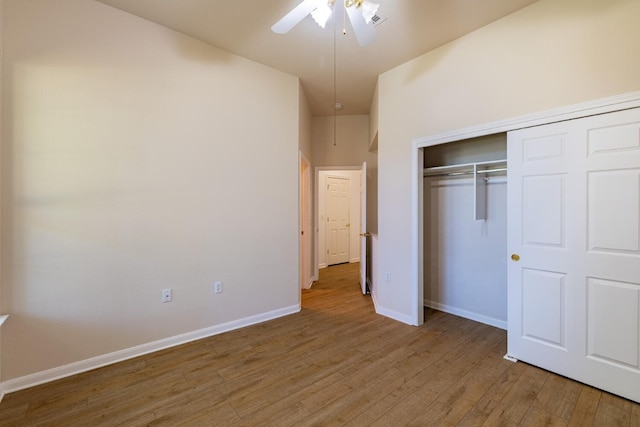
(465, 270)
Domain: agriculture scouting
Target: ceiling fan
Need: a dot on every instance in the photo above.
(360, 14)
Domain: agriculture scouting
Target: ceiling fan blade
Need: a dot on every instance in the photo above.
(296, 15)
(365, 33)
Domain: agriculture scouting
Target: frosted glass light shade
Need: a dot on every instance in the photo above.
(322, 13)
(368, 10)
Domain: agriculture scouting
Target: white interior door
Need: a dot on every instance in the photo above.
(574, 236)
(363, 229)
(337, 213)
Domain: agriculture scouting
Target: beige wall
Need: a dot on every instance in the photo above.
(548, 55)
(1, 172)
(351, 140)
(304, 128)
(373, 121)
(136, 159)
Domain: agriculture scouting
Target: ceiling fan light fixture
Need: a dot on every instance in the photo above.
(360, 12)
(369, 10)
(322, 13)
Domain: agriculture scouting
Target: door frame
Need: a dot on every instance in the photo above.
(305, 225)
(326, 169)
(599, 106)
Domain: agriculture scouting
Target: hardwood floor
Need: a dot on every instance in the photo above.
(334, 363)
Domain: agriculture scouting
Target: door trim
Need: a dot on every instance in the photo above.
(305, 225)
(585, 109)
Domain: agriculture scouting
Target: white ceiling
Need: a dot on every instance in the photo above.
(412, 27)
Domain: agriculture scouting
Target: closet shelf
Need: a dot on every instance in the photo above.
(493, 166)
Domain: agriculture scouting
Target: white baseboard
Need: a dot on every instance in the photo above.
(311, 282)
(49, 375)
(400, 317)
(491, 321)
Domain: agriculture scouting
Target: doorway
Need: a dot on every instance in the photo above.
(327, 177)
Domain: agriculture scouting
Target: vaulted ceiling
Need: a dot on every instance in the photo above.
(409, 29)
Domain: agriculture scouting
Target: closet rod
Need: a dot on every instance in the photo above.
(492, 170)
(466, 173)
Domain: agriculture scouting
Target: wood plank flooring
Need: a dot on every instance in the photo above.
(335, 363)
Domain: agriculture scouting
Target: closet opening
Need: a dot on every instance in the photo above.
(464, 241)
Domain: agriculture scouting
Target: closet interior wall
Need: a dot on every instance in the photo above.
(465, 259)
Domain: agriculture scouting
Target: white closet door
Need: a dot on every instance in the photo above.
(574, 239)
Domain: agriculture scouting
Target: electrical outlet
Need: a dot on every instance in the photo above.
(387, 277)
(166, 295)
(217, 288)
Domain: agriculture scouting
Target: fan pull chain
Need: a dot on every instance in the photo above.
(335, 100)
(344, 20)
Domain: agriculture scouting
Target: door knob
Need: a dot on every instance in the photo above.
(365, 234)
(515, 257)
